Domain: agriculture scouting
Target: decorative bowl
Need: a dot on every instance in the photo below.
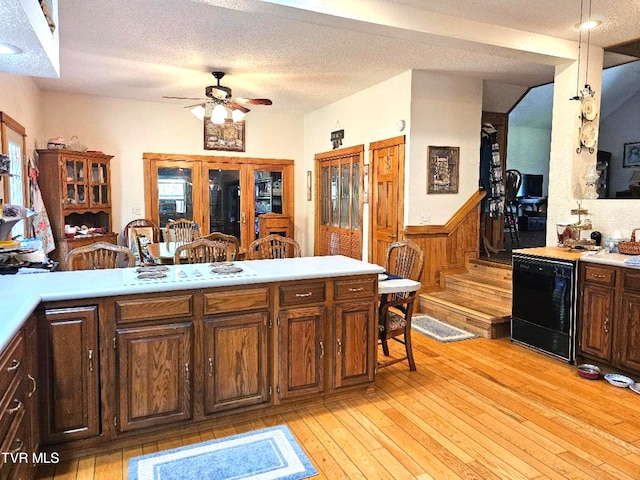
(588, 371)
(618, 380)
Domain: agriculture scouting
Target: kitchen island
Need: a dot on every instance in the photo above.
(120, 356)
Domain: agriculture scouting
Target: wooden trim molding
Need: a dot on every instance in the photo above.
(450, 246)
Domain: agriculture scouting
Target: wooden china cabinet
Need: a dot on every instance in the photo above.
(76, 190)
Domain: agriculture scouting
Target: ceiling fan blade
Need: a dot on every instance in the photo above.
(239, 107)
(253, 101)
(184, 98)
(195, 105)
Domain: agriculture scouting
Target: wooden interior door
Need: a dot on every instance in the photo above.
(387, 195)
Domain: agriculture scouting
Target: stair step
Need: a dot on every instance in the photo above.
(473, 284)
(490, 269)
(489, 318)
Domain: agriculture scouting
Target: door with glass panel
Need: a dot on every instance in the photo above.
(223, 189)
(339, 187)
(175, 191)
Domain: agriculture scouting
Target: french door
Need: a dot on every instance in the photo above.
(221, 194)
(339, 202)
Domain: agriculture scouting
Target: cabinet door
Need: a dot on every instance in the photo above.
(355, 349)
(69, 373)
(628, 333)
(153, 377)
(74, 182)
(302, 349)
(236, 352)
(99, 181)
(32, 385)
(595, 320)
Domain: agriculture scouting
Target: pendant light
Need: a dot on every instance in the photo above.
(587, 25)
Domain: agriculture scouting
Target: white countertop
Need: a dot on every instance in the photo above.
(615, 259)
(21, 294)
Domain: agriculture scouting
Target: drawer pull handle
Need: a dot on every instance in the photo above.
(321, 350)
(210, 367)
(14, 365)
(16, 408)
(598, 275)
(35, 387)
(356, 289)
(606, 325)
(186, 369)
(302, 295)
(20, 446)
(339, 346)
(90, 360)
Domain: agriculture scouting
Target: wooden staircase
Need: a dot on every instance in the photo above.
(478, 301)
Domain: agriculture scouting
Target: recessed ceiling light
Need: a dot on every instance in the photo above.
(589, 24)
(6, 49)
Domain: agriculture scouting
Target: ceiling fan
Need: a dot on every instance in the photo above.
(220, 102)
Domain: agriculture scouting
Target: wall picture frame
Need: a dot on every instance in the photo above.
(228, 137)
(631, 155)
(443, 169)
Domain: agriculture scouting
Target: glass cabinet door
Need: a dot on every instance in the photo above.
(224, 198)
(267, 195)
(99, 183)
(75, 183)
(175, 194)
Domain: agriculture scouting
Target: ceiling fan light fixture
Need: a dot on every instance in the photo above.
(198, 111)
(218, 114)
(237, 115)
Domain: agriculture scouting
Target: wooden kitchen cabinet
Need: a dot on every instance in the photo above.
(76, 190)
(69, 372)
(18, 408)
(153, 375)
(355, 332)
(609, 316)
(236, 348)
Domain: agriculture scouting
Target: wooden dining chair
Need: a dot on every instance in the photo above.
(203, 251)
(99, 255)
(403, 259)
(273, 246)
(181, 231)
(142, 225)
(223, 237)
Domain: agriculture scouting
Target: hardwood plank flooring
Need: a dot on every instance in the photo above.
(476, 409)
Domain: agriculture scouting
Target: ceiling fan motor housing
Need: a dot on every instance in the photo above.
(210, 91)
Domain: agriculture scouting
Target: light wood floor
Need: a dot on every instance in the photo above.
(478, 409)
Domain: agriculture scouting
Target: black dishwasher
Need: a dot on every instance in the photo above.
(543, 305)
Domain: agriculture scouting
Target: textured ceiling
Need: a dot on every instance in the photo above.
(306, 54)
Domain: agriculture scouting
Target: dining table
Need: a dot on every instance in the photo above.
(393, 284)
(163, 252)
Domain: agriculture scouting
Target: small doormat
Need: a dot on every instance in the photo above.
(438, 330)
(267, 454)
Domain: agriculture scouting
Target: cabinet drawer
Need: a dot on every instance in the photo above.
(235, 300)
(600, 275)
(302, 293)
(11, 405)
(346, 289)
(10, 362)
(152, 308)
(16, 442)
(631, 281)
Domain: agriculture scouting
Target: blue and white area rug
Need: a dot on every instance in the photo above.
(438, 330)
(268, 454)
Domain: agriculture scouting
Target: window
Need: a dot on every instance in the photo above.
(14, 186)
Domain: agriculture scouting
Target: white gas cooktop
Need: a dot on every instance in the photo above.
(186, 273)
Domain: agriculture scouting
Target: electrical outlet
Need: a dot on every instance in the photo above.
(424, 219)
(136, 211)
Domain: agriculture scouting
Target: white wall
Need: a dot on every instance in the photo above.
(368, 116)
(21, 99)
(127, 128)
(528, 151)
(445, 111)
(616, 130)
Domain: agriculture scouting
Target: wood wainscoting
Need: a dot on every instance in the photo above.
(448, 247)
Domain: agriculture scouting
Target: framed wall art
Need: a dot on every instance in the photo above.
(631, 155)
(228, 136)
(443, 169)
